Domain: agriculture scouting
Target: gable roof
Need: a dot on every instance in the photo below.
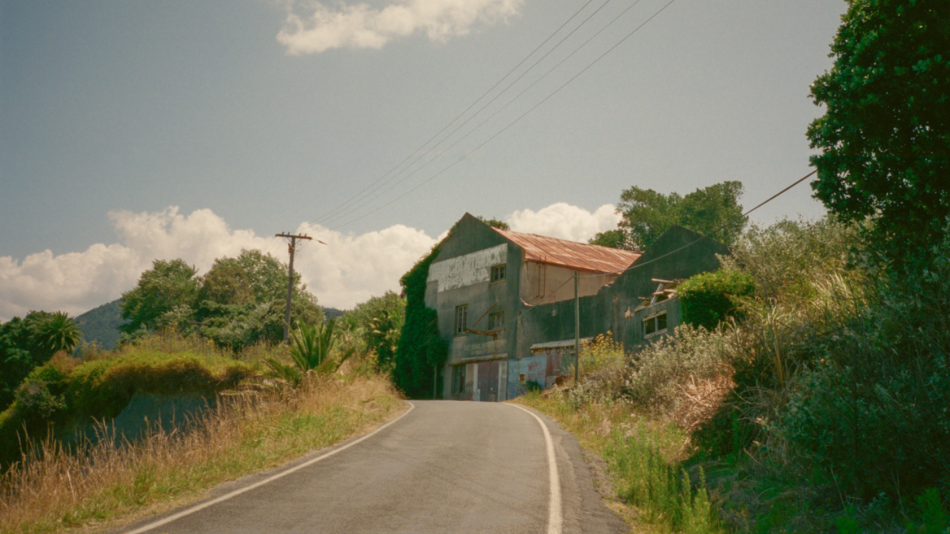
(571, 254)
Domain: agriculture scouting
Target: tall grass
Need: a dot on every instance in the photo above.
(53, 488)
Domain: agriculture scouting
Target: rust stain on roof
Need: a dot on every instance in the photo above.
(571, 254)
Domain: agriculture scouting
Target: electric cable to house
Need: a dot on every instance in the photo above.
(490, 117)
(512, 123)
(466, 110)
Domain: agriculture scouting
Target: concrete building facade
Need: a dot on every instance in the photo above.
(505, 302)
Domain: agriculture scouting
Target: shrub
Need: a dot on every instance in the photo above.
(710, 298)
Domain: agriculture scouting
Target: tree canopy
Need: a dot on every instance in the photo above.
(29, 342)
(885, 135)
(713, 211)
(239, 301)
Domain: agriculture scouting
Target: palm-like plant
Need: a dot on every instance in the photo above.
(59, 332)
(310, 350)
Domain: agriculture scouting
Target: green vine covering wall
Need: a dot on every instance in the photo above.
(420, 348)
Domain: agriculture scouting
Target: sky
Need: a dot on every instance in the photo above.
(133, 130)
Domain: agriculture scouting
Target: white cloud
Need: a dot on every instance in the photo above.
(564, 221)
(348, 270)
(363, 26)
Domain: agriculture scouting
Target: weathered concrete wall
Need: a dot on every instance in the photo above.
(678, 254)
(460, 275)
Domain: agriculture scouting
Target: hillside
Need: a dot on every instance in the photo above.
(102, 324)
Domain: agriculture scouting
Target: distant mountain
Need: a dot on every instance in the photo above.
(102, 324)
(331, 313)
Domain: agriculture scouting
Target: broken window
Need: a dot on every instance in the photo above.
(498, 273)
(654, 324)
(496, 320)
(461, 319)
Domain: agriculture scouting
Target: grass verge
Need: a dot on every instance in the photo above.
(101, 484)
(645, 461)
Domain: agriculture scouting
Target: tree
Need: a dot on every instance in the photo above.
(378, 322)
(167, 285)
(58, 332)
(242, 300)
(713, 211)
(25, 344)
(495, 223)
(885, 135)
(615, 238)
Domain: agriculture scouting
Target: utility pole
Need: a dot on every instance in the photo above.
(577, 332)
(290, 282)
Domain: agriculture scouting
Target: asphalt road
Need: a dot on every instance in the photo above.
(443, 466)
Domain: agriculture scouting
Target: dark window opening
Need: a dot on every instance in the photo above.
(461, 319)
(496, 320)
(655, 324)
(498, 273)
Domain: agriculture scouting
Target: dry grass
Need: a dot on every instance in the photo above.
(54, 489)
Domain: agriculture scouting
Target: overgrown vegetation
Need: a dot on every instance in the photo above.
(821, 406)
(237, 303)
(253, 423)
(420, 349)
(29, 342)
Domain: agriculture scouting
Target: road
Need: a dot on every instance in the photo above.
(443, 466)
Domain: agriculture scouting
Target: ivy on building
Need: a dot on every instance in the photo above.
(420, 351)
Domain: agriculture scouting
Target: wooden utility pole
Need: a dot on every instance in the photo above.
(292, 247)
(577, 332)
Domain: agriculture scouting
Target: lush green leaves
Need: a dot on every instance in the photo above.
(885, 135)
(420, 349)
(709, 298)
(713, 211)
(29, 342)
(167, 285)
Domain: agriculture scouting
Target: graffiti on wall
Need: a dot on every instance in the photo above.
(467, 270)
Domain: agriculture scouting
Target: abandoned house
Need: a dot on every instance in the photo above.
(505, 302)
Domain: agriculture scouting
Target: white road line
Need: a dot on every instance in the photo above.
(555, 520)
(256, 485)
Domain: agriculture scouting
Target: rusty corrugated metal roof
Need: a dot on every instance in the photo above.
(571, 254)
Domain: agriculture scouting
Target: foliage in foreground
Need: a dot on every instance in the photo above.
(56, 489)
(70, 394)
(823, 407)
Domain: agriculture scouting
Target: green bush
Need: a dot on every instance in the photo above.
(709, 298)
(64, 393)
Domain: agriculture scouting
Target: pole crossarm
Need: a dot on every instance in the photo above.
(292, 247)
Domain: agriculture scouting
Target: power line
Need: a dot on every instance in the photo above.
(460, 115)
(636, 265)
(585, 69)
(496, 112)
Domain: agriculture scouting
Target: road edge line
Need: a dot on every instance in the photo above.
(235, 493)
(555, 519)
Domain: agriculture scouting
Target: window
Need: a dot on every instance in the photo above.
(498, 273)
(458, 379)
(654, 324)
(461, 319)
(496, 320)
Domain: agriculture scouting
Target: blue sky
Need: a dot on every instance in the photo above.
(255, 117)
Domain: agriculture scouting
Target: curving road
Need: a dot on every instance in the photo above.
(443, 466)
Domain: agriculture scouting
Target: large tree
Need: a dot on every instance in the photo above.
(167, 286)
(29, 342)
(885, 135)
(713, 211)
